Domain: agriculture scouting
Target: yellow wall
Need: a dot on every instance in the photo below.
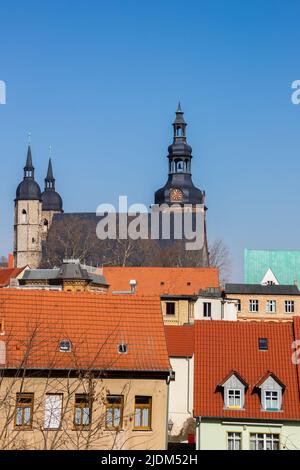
(184, 312)
(97, 437)
(262, 314)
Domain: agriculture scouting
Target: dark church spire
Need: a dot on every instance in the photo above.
(50, 198)
(28, 189)
(49, 180)
(29, 168)
(179, 187)
(179, 125)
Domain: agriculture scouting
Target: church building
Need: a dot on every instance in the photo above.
(36, 212)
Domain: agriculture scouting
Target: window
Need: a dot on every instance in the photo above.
(289, 306)
(207, 309)
(24, 410)
(53, 411)
(24, 217)
(264, 441)
(114, 412)
(45, 226)
(238, 305)
(170, 308)
(253, 305)
(271, 306)
(271, 400)
(263, 344)
(234, 441)
(83, 410)
(142, 412)
(65, 345)
(234, 398)
(122, 348)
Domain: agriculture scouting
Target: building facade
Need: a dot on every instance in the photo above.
(78, 372)
(246, 393)
(264, 302)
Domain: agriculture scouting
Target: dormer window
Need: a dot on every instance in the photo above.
(271, 390)
(65, 345)
(234, 388)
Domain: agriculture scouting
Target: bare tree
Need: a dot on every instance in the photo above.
(219, 257)
(64, 423)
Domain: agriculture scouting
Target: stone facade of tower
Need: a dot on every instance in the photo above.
(27, 228)
(33, 215)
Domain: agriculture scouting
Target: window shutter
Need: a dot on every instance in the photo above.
(53, 410)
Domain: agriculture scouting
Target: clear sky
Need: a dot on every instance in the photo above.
(100, 81)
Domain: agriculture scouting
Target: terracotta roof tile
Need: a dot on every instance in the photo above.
(168, 281)
(180, 340)
(6, 274)
(223, 346)
(95, 324)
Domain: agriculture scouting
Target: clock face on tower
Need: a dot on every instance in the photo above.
(176, 195)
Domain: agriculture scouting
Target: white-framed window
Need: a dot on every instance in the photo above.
(264, 441)
(207, 309)
(238, 305)
(271, 400)
(271, 306)
(289, 306)
(253, 305)
(234, 441)
(53, 411)
(234, 398)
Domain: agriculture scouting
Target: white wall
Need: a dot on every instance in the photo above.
(229, 309)
(181, 392)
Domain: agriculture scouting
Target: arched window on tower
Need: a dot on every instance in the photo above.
(179, 166)
(45, 226)
(24, 217)
(179, 132)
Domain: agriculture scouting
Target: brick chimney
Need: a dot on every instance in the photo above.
(10, 263)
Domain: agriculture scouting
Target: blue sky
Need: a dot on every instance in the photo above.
(100, 82)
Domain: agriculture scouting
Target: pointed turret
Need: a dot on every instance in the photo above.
(28, 189)
(51, 199)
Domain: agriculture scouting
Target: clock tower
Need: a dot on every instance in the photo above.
(179, 187)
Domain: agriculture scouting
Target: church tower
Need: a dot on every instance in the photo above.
(179, 192)
(51, 202)
(27, 219)
(179, 187)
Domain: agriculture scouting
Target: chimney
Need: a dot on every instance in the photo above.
(296, 282)
(11, 262)
(132, 284)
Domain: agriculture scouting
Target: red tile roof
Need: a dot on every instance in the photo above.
(168, 281)
(95, 324)
(6, 274)
(224, 346)
(180, 340)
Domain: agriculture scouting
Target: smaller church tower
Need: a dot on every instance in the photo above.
(51, 201)
(27, 219)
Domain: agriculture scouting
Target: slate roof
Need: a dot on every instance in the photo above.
(224, 346)
(261, 289)
(67, 271)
